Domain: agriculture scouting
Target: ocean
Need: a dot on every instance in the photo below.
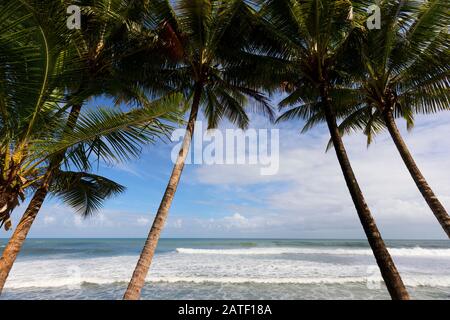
(225, 269)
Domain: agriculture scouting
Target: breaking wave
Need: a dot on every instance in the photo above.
(401, 252)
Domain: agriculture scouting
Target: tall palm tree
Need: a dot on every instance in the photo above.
(322, 36)
(406, 72)
(25, 48)
(80, 63)
(201, 39)
(109, 134)
(33, 150)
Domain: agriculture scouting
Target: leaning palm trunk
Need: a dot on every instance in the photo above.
(11, 193)
(137, 281)
(8, 202)
(384, 260)
(18, 238)
(422, 184)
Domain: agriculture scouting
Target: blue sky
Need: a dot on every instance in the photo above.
(307, 198)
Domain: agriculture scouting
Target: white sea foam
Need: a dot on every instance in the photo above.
(418, 281)
(401, 252)
(237, 267)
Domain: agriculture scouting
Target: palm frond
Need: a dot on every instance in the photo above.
(85, 192)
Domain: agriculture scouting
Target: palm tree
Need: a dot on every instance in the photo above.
(201, 39)
(79, 63)
(407, 68)
(111, 135)
(24, 48)
(33, 151)
(321, 35)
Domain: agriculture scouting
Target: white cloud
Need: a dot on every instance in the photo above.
(178, 223)
(310, 183)
(307, 198)
(237, 221)
(142, 221)
(49, 220)
(77, 221)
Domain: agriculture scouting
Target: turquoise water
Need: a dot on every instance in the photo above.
(225, 269)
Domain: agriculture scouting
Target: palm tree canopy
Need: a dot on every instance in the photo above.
(311, 44)
(200, 42)
(83, 191)
(41, 67)
(403, 68)
(35, 66)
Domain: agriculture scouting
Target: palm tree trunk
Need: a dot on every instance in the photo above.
(422, 184)
(384, 260)
(9, 197)
(17, 240)
(137, 281)
(8, 202)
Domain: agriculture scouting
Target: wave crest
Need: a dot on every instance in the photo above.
(401, 252)
(411, 282)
